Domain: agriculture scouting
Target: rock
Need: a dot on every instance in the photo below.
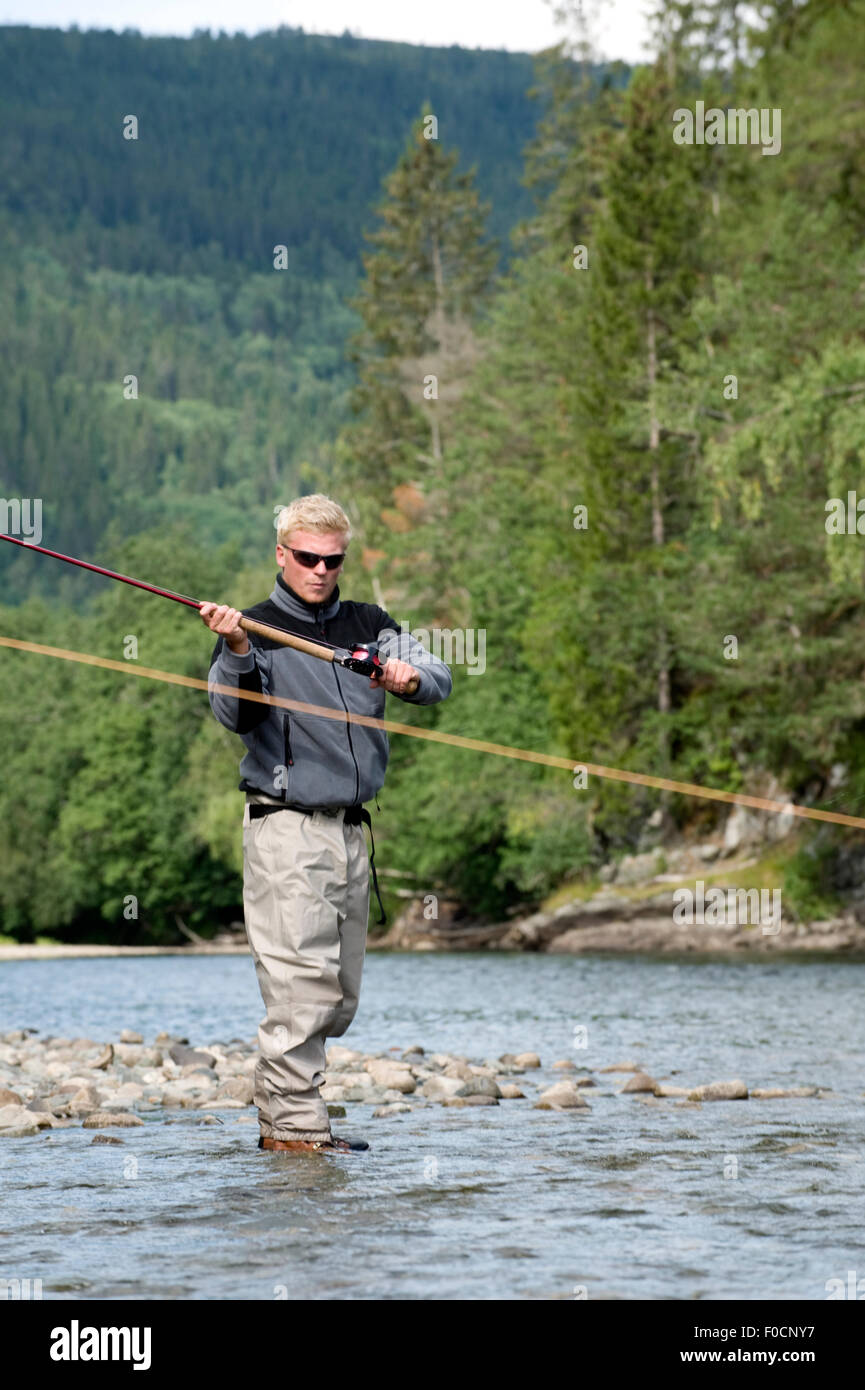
(640, 1081)
(105, 1060)
(84, 1101)
(563, 1096)
(565, 1065)
(622, 1066)
(527, 1060)
(338, 1056)
(441, 1087)
(669, 1091)
(777, 1093)
(743, 827)
(128, 1036)
(479, 1086)
(19, 1131)
(397, 1108)
(106, 1139)
(190, 1057)
(103, 1118)
(48, 1106)
(333, 1093)
(470, 1100)
(18, 1116)
(720, 1090)
(128, 1056)
(708, 852)
(9, 1098)
(585, 1081)
(511, 1092)
(203, 1076)
(394, 1076)
(127, 1094)
(349, 1078)
(336, 1112)
(459, 1069)
(237, 1088)
(638, 868)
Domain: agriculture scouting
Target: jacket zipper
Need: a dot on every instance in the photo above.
(321, 628)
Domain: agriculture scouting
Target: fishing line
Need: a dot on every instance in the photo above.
(476, 745)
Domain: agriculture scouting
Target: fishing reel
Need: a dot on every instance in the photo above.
(365, 659)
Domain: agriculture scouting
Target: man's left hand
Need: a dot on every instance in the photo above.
(395, 676)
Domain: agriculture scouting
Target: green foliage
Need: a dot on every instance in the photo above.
(808, 892)
(705, 626)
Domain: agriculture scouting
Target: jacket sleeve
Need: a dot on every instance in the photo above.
(435, 680)
(248, 672)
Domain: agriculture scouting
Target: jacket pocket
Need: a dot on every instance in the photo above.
(286, 738)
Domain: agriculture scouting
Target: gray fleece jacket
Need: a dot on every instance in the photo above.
(304, 758)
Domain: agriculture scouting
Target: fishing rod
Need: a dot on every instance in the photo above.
(362, 659)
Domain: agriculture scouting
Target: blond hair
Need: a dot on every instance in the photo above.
(315, 513)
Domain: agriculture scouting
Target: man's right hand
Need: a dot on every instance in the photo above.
(226, 622)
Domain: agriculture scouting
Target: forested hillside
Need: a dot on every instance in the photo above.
(621, 479)
(154, 258)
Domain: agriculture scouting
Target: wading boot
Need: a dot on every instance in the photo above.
(331, 1145)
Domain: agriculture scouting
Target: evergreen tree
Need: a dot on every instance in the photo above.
(427, 278)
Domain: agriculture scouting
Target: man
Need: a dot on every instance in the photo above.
(306, 777)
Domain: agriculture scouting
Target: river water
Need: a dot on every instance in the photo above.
(733, 1200)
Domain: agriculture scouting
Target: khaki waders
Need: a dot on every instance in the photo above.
(306, 905)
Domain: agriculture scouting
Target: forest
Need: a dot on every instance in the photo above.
(634, 472)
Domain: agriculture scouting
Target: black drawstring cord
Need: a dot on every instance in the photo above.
(367, 820)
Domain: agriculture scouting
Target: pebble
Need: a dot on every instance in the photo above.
(776, 1093)
(527, 1060)
(640, 1081)
(473, 1099)
(563, 1096)
(479, 1086)
(441, 1087)
(102, 1118)
(57, 1083)
(394, 1076)
(190, 1057)
(720, 1090)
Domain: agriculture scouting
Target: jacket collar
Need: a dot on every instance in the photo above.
(296, 607)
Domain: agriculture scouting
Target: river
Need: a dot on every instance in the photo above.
(731, 1200)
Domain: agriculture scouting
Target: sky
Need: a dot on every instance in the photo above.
(526, 26)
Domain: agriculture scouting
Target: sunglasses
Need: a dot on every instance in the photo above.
(309, 559)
